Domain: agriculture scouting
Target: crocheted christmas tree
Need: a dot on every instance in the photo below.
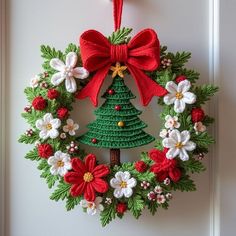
(117, 125)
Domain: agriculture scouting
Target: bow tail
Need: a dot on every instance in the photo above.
(92, 89)
(146, 86)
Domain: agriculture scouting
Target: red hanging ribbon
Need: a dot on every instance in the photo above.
(141, 54)
(117, 12)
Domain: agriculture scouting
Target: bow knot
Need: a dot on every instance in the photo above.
(119, 53)
(141, 54)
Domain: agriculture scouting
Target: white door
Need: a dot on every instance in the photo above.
(189, 25)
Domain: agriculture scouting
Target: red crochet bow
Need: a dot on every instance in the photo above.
(141, 54)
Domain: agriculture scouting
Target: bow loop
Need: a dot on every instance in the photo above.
(119, 53)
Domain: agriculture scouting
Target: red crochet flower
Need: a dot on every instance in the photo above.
(180, 78)
(121, 208)
(163, 167)
(140, 166)
(39, 103)
(45, 150)
(52, 94)
(197, 114)
(86, 178)
(62, 113)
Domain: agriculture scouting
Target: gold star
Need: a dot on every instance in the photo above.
(118, 70)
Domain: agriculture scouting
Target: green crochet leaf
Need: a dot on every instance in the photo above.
(121, 36)
(61, 192)
(33, 155)
(185, 184)
(136, 205)
(72, 202)
(108, 214)
(192, 166)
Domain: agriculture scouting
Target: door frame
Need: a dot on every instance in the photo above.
(214, 44)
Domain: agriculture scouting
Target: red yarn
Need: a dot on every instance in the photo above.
(117, 12)
(164, 167)
(180, 78)
(53, 94)
(121, 208)
(39, 103)
(140, 166)
(45, 150)
(62, 113)
(86, 178)
(197, 114)
(141, 54)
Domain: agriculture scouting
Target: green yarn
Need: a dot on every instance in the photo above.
(105, 129)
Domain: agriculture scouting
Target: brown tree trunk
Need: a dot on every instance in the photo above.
(114, 157)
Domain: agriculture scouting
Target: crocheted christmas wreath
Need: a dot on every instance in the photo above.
(76, 175)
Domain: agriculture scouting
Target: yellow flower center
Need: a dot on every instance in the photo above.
(90, 205)
(123, 184)
(179, 145)
(60, 163)
(179, 95)
(88, 177)
(48, 126)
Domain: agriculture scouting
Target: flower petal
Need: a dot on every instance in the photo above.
(57, 78)
(115, 183)
(78, 165)
(89, 193)
(53, 133)
(73, 178)
(57, 64)
(169, 99)
(169, 142)
(100, 185)
(80, 73)
(91, 211)
(179, 106)
(128, 192)
(39, 124)
(71, 59)
(56, 123)
(47, 117)
(70, 122)
(119, 175)
(172, 152)
(131, 182)
(126, 176)
(44, 134)
(185, 136)
(189, 98)
(183, 155)
(101, 171)
(71, 86)
(190, 146)
(118, 193)
(77, 190)
(171, 87)
(90, 162)
(184, 86)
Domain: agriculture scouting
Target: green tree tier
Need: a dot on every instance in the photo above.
(117, 125)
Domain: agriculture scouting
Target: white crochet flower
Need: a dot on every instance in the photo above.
(161, 199)
(60, 163)
(68, 71)
(172, 122)
(199, 127)
(178, 144)
(92, 207)
(34, 82)
(179, 95)
(71, 127)
(48, 126)
(123, 184)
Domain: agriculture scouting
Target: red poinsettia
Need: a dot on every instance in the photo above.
(86, 178)
(163, 167)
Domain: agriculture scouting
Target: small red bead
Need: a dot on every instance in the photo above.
(94, 140)
(111, 91)
(117, 107)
